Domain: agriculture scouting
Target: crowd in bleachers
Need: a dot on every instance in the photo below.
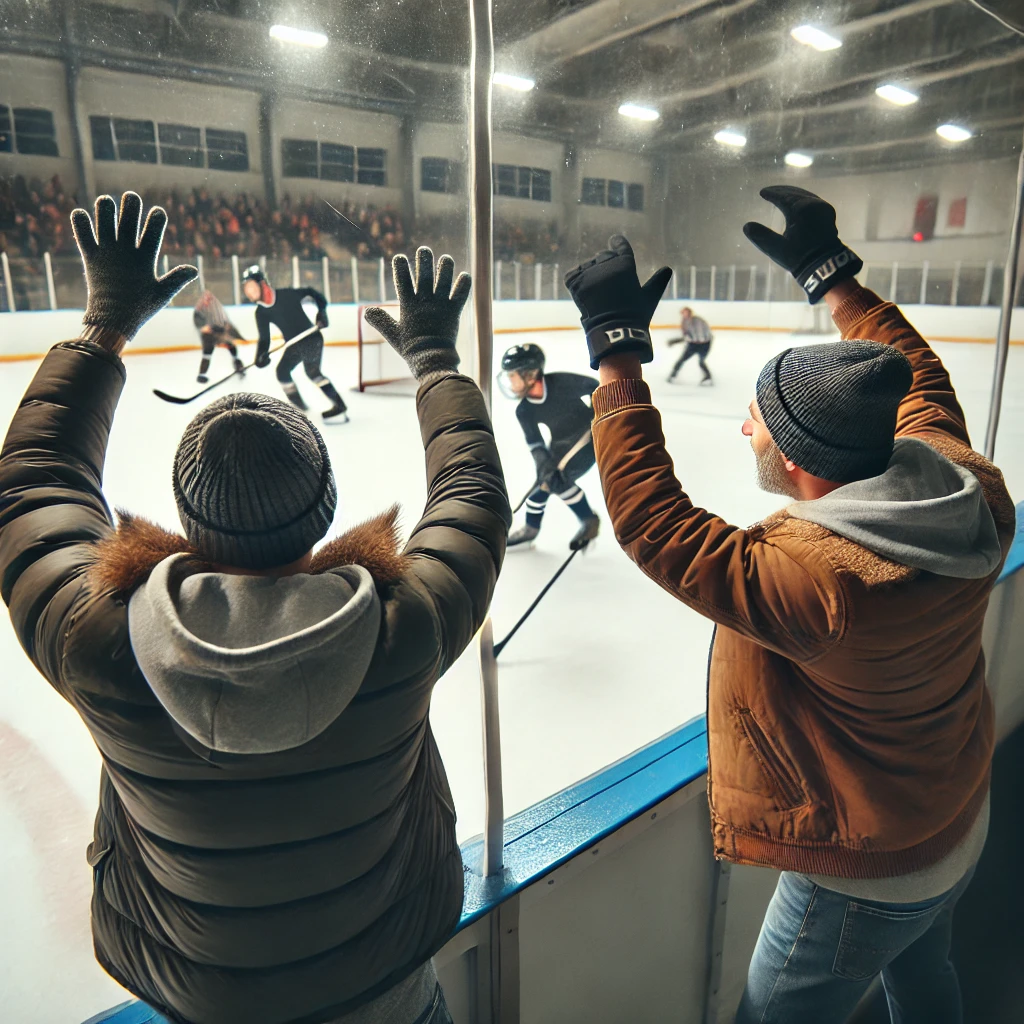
(34, 219)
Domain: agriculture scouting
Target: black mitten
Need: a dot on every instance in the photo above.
(120, 267)
(545, 463)
(321, 320)
(428, 325)
(615, 309)
(809, 248)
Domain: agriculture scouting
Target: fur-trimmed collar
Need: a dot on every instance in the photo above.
(125, 559)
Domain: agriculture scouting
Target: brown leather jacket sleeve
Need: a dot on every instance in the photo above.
(931, 405)
(786, 599)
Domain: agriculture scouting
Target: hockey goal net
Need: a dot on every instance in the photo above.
(381, 368)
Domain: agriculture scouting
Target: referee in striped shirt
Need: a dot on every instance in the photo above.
(698, 338)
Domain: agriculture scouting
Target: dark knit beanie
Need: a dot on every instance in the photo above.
(831, 408)
(253, 482)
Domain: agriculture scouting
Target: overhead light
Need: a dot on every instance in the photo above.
(811, 36)
(799, 159)
(513, 81)
(894, 94)
(287, 34)
(639, 113)
(953, 133)
(730, 138)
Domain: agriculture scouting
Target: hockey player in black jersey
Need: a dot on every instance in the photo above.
(561, 402)
(283, 308)
(215, 329)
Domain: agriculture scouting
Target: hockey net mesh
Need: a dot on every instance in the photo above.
(381, 369)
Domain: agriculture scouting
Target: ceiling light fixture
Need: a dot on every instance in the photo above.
(299, 36)
(811, 36)
(953, 133)
(513, 81)
(799, 159)
(639, 113)
(894, 94)
(728, 137)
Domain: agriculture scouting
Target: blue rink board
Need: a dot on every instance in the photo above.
(545, 836)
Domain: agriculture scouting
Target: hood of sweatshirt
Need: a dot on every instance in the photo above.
(251, 664)
(923, 511)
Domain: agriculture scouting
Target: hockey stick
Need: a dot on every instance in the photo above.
(577, 447)
(499, 647)
(522, 502)
(175, 400)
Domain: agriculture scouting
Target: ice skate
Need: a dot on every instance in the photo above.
(202, 379)
(524, 536)
(293, 396)
(589, 529)
(336, 414)
(239, 367)
(707, 382)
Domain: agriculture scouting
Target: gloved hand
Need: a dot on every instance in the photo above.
(809, 248)
(120, 267)
(547, 468)
(322, 321)
(614, 309)
(262, 360)
(424, 336)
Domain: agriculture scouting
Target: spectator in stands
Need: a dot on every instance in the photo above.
(849, 725)
(276, 835)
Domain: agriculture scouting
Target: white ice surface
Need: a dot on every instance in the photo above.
(606, 664)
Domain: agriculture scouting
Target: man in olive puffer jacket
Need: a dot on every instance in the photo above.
(275, 840)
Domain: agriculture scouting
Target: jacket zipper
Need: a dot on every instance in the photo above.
(772, 765)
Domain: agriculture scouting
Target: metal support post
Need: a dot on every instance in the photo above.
(382, 281)
(923, 298)
(986, 288)
(517, 274)
(1005, 313)
(325, 276)
(675, 287)
(8, 287)
(711, 286)
(955, 291)
(752, 285)
(693, 282)
(354, 265)
(768, 282)
(497, 280)
(297, 280)
(732, 283)
(894, 277)
(555, 281)
(236, 281)
(200, 266)
(538, 280)
(51, 291)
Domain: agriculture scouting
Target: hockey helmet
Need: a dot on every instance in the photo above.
(254, 273)
(521, 360)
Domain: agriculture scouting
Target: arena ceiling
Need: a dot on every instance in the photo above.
(703, 65)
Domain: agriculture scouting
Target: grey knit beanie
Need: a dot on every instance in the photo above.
(831, 408)
(253, 482)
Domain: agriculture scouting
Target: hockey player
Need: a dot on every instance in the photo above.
(283, 308)
(215, 329)
(698, 338)
(561, 401)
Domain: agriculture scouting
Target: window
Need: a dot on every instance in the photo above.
(337, 163)
(371, 167)
(34, 131)
(616, 194)
(593, 192)
(635, 198)
(438, 174)
(136, 140)
(299, 158)
(6, 136)
(541, 186)
(180, 145)
(102, 138)
(226, 150)
(522, 182)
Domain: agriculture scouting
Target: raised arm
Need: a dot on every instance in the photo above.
(456, 549)
(52, 509)
(321, 305)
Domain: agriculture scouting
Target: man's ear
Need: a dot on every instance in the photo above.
(790, 465)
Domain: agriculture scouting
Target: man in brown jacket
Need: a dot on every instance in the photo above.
(275, 840)
(849, 726)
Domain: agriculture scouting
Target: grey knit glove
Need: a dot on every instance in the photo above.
(425, 334)
(120, 268)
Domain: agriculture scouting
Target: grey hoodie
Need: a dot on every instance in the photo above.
(252, 664)
(923, 511)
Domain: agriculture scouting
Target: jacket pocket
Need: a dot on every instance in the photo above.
(775, 768)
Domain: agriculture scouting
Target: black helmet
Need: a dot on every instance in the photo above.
(523, 357)
(254, 273)
(520, 359)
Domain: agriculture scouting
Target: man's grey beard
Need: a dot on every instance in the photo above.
(771, 472)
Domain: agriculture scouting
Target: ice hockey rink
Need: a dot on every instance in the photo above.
(606, 664)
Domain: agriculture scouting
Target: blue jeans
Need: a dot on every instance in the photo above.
(818, 952)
